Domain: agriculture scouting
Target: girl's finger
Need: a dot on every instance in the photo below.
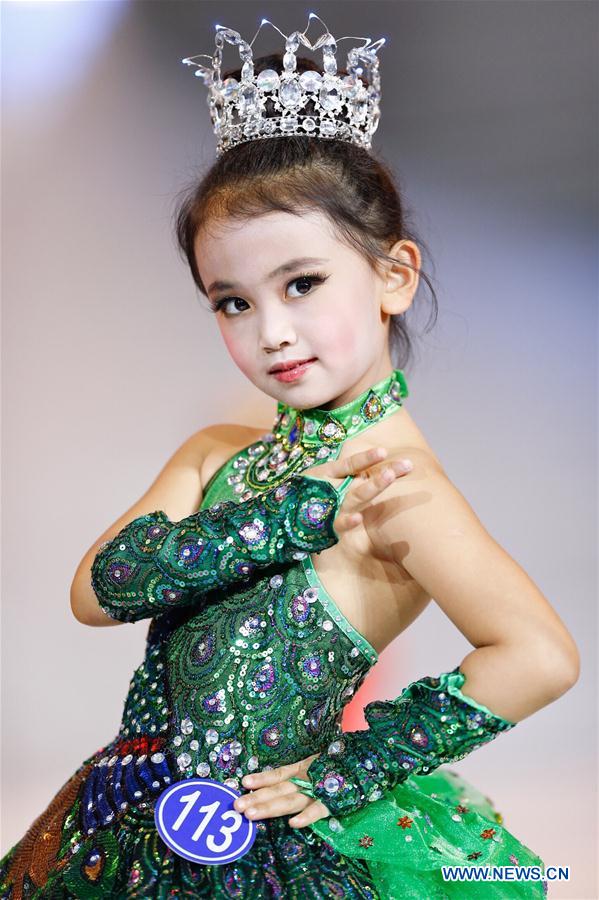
(346, 521)
(362, 491)
(265, 795)
(278, 774)
(357, 462)
(278, 806)
(312, 813)
(366, 489)
(270, 776)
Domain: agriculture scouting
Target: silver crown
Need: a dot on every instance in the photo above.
(317, 104)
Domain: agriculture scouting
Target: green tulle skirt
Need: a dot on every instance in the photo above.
(428, 822)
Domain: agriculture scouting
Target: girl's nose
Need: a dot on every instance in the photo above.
(276, 329)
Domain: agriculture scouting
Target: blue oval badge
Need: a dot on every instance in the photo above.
(196, 818)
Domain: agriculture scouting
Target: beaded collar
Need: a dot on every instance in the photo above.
(315, 426)
(300, 437)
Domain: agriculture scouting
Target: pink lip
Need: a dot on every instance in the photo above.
(289, 375)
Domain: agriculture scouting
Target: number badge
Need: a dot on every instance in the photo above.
(195, 817)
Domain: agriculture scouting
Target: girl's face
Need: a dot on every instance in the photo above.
(285, 288)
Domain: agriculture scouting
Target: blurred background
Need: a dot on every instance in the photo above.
(110, 359)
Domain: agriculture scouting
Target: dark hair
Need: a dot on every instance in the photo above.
(353, 189)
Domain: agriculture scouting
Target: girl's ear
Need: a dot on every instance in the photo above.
(401, 277)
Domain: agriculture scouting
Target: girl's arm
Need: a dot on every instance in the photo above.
(154, 565)
(161, 554)
(177, 490)
(524, 657)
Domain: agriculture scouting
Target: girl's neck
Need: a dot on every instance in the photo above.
(324, 427)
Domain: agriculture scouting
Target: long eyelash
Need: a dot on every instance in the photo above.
(215, 305)
(317, 277)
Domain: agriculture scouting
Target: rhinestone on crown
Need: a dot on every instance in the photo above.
(315, 104)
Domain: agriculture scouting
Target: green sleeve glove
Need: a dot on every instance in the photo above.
(429, 724)
(154, 564)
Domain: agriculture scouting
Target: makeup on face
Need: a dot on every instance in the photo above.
(292, 372)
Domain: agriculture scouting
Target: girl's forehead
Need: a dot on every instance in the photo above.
(278, 226)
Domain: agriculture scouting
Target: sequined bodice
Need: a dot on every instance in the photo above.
(260, 674)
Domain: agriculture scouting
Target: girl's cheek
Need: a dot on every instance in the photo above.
(342, 335)
(236, 347)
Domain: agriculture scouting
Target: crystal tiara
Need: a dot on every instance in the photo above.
(313, 103)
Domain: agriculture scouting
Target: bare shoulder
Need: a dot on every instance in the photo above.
(424, 497)
(417, 507)
(398, 433)
(221, 441)
(228, 433)
(408, 498)
(209, 439)
(178, 487)
(426, 526)
(404, 436)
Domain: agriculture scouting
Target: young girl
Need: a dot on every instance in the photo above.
(275, 568)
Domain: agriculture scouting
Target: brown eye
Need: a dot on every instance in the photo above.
(220, 304)
(309, 280)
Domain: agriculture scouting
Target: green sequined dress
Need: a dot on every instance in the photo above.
(257, 676)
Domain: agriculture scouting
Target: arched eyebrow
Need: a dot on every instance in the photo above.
(289, 266)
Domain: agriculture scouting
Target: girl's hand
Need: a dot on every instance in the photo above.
(272, 794)
(371, 479)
